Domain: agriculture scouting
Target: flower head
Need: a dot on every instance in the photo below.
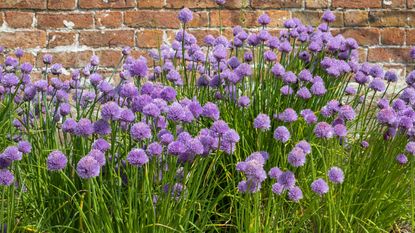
(336, 175)
(320, 187)
(185, 15)
(56, 161)
(87, 168)
(262, 121)
(6, 177)
(137, 157)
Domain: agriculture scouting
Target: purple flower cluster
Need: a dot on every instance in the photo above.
(253, 169)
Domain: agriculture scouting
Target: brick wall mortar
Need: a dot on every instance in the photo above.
(391, 23)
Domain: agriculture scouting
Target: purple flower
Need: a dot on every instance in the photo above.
(69, 125)
(98, 155)
(364, 144)
(176, 148)
(84, 128)
(275, 173)
(262, 122)
(288, 115)
(386, 116)
(318, 89)
(323, 130)
(391, 76)
(401, 159)
(56, 161)
(410, 148)
(6, 177)
(9, 80)
(87, 168)
(287, 180)
(278, 70)
(305, 146)
(296, 157)
(185, 15)
(47, 59)
(210, 110)
(277, 188)
(264, 19)
(127, 115)
(340, 130)
(243, 101)
(320, 187)
(12, 153)
(155, 149)
(25, 147)
(328, 16)
(377, 84)
(151, 110)
(137, 157)
(110, 111)
(168, 94)
(219, 128)
(220, 2)
(304, 93)
(336, 175)
(220, 52)
(289, 77)
(309, 116)
(295, 194)
(347, 112)
(102, 127)
(231, 136)
(101, 144)
(140, 131)
(138, 68)
(286, 90)
(282, 134)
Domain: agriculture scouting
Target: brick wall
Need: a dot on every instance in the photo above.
(73, 30)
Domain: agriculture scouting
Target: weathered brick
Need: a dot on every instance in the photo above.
(392, 36)
(108, 19)
(149, 38)
(314, 18)
(109, 58)
(16, 19)
(23, 4)
(410, 4)
(364, 36)
(231, 18)
(61, 39)
(278, 17)
(357, 3)
(201, 33)
(107, 4)
(70, 20)
(27, 57)
(163, 19)
(410, 37)
(67, 59)
(362, 54)
(61, 4)
(202, 3)
(113, 38)
(391, 55)
(189, 3)
(276, 3)
(356, 18)
(316, 3)
(23, 39)
(150, 3)
(388, 18)
(394, 3)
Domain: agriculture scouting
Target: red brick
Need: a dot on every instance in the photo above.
(113, 38)
(391, 55)
(357, 3)
(17, 19)
(316, 3)
(23, 39)
(388, 18)
(356, 18)
(364, 36)
(63, 20)
(23, 4)
(231, 18)
(410, 37)
(392, 36)
(109, 58)
(67, 59)
(61, 39)
(275, 3)
(108, 19)
(107, 4)
(278, 17)
(150, 3)
(161, 19)
(61, 4)
(149, 38)
(314, 18)
(201, 33)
